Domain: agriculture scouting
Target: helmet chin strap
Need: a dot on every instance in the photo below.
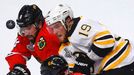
(63, 23)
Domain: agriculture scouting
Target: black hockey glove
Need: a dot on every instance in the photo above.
(54, 65)
(84, 63)
(19, 70)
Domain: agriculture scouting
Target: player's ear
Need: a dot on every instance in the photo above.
(68, 20)
(69, 23)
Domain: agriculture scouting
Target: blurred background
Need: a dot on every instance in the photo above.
(117, 15)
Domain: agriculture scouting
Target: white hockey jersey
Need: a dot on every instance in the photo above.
(99, 44)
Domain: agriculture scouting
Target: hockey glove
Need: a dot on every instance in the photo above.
(54, 65)
(19, 70)
(84, 63)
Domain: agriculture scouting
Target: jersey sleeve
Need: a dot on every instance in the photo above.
(19, 54)
(103, 43)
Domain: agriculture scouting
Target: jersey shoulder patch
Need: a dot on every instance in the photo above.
(41, 43)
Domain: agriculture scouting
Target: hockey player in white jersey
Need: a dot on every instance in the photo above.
(86, 42)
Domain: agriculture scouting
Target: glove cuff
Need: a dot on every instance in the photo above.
(22, 68)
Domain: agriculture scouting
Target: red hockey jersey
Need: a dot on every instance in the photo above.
(45, 45)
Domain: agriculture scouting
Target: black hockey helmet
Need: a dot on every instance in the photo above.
(29, 14)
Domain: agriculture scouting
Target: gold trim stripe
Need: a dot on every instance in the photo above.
(63, 46)
(100, 34)
(71, 65)
(112, 53)
(120, 59)
(105, 42)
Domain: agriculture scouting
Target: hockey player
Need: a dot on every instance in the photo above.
(33, 39)
(86, 42)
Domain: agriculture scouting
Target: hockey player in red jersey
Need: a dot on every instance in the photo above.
(33, 39)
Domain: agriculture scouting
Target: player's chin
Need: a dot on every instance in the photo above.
(30, 37)
(61, 38)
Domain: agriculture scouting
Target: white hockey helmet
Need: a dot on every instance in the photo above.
(60, 13)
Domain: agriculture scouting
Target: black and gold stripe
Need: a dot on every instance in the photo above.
(116, 56)
(103, 43)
